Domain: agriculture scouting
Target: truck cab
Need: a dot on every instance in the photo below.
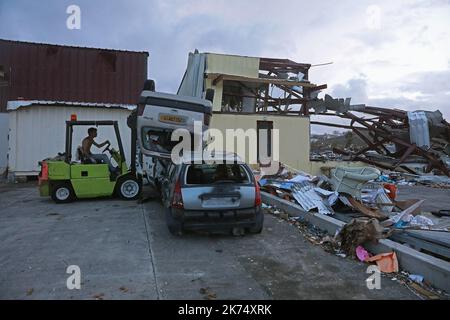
(160, 114)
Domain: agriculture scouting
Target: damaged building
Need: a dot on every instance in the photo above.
(268, 93)
(413, 142)
(257, 93)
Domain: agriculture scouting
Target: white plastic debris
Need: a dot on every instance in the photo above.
(421, 221)
(406, 212)
(299, 178)
(416, 278)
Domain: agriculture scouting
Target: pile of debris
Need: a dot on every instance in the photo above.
(305, 189)
(420, 140)
(360, 190)
(348, 243)
(400, 178)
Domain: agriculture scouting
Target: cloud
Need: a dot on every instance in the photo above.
(424, 90)
(404, 61)
(354, 88)
(374, 38)
(428, 83)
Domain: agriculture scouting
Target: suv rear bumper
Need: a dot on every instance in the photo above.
(216, 219)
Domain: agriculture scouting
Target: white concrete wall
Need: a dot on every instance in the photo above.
(231, 65)
(293, 134)
(38, 132)
(4, 128)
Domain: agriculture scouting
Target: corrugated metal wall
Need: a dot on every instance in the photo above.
(192, 82)
(62, 73)
(38, 132)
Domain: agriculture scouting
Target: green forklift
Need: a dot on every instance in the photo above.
(65, 180)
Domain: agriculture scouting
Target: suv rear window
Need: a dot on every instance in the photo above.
(216, 173)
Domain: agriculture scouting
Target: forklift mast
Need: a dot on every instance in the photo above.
(69, 134)
(132, 124)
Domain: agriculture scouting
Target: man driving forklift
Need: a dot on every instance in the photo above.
(65, 180)
(86, 148)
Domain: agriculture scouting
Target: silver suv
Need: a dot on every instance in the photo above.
(212, 196)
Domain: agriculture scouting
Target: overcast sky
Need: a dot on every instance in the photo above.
(384, 53)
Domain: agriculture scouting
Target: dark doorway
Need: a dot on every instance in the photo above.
(264, 125)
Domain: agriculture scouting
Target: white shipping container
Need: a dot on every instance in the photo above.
(37, 132)
(4, 127)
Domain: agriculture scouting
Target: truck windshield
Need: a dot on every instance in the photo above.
(216, 173)
(158, 140)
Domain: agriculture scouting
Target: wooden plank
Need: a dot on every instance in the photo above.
(216, 80)
(366, 211)
(218, 77)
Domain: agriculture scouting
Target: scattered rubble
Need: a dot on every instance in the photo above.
(208, 294)
(387, 262)
(363, 191)
(429, 180)
(396, 140)
(310, 232)
(372, 212)
(416, 278)
(302, 187)
(358, 232)
(362, 253)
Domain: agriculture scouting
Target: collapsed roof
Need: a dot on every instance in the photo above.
(282, 86)
(419, 136)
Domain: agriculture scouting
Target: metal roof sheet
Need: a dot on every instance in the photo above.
(14, 105)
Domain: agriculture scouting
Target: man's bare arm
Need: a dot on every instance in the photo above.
(101, 144)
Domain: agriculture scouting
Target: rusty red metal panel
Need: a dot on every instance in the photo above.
(37, 71)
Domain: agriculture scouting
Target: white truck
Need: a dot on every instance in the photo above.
(156, 117)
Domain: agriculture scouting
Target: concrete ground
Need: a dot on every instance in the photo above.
(125, 251)
(435, 198)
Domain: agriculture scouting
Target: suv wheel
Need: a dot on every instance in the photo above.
(175, 226)
(259, 222)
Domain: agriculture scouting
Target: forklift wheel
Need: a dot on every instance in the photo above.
(62, 193)
(129, 188)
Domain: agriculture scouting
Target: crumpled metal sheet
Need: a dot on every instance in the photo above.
(418, 129)
(308, 198)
